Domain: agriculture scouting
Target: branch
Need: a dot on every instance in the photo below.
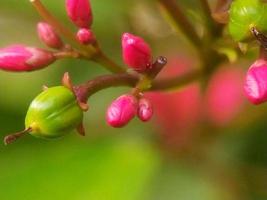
(213, 27)
(181, 21)
(84, 91)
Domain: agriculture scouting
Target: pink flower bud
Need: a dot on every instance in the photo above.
(145, 110)
(48, 35)
(86, 36)
(22, 58)
(121, 111)
(79, 11)
(256, 82)
(136, 52)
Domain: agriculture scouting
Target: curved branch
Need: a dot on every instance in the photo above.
(84, 91)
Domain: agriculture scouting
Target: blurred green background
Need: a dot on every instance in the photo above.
(131, 163)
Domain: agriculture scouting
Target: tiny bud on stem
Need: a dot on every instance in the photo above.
(48, 35)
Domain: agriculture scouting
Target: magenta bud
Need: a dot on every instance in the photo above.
(256, 82)
(145, 110)
(80, 13)
(48, 35)
(136, 52)
(21, 58)
(121, 111)
(85, 36)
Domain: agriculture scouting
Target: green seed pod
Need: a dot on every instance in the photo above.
(53, 113)
(245, 14)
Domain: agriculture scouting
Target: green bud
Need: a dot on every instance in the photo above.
(245, 14)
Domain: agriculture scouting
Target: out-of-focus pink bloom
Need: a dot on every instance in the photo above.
(256, 82)
(224, 96)
(48, 35)
(85, 36)
(145, 110)
(122, 111)
(21, 58)
(136, 52)
(177, 112)
(79, 11)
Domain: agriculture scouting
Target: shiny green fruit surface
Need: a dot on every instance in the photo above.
(245, 14)
(53, 113)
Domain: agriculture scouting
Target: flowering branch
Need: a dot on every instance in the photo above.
(87, 51)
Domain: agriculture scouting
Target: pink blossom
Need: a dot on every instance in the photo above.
(224, 97)
(136, 52)
(48, 35)
(121, 111)
(256, 82)
(79, 11)
(22, 58)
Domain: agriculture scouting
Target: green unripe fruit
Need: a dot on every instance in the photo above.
(245, 14)
(53, 113)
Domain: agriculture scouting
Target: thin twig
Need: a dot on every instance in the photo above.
(211, 25)
(181, 21)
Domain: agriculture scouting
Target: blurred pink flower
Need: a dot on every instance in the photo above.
(179, 113)
(224, 96)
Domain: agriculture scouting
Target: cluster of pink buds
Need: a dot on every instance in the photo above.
(80, 13)
(256, 82)
(21, 57)
(125, 108)
(137, 55)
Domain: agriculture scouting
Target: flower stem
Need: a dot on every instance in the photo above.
(102, 59)
(181, 21)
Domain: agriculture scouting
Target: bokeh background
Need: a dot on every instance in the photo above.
(203, 143)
